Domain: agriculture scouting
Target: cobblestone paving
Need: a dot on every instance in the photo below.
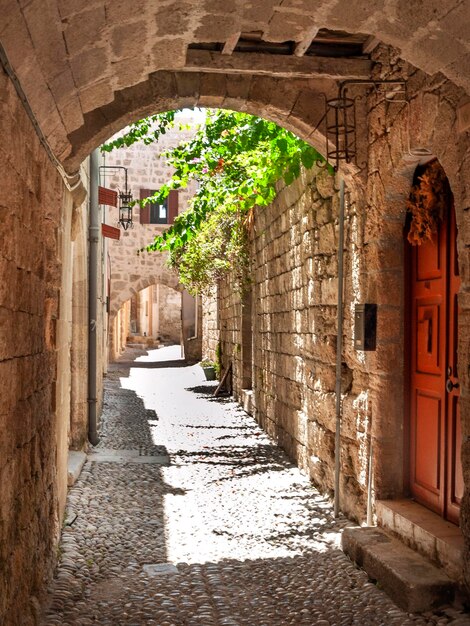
(237, 535)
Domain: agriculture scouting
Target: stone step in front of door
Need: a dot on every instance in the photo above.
(412, 582)
(424, 531)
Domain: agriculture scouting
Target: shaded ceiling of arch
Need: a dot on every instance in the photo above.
(88, 67)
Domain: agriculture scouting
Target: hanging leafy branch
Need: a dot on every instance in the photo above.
(147, 131)
(236, 159)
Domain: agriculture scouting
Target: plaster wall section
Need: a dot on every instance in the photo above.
(120, 330)
(79, 348)
(35, 331)
(167, 304)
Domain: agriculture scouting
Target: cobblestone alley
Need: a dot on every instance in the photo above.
(187, 514)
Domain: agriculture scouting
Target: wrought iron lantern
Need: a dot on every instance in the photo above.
(125, 199)
(125, 209)
(339, 119)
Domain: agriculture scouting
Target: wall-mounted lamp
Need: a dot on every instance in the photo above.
(125, 210)
(125, 199)
(339, 119)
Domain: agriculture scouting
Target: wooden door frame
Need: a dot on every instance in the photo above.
(446, 478)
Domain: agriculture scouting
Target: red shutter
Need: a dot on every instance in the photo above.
(172, 205)
(110, 231)
(107, 196)
(145, 211)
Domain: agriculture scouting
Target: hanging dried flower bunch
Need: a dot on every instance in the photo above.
(427, 203)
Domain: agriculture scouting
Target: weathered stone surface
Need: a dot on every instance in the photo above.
(412, 581)
(76, 461)
(228, 533)
(57, 38)
(32, 474)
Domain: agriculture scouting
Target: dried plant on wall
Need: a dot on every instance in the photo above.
(427, 203)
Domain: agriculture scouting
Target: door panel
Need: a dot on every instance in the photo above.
(428, 260)
(428, 332)
(435, 435)
(427, 442)
(427, 344)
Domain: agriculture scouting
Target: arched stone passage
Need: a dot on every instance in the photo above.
(149, 310)
(84, 76)
(119, 297)
(297, 105)
(77, 60)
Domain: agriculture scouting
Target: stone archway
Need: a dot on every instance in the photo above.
(73, 86)
(296, 104)
(81, 76)
(123, 290)
(163, 312)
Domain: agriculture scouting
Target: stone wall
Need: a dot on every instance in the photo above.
(80, 92)
(293, 328)
(295, 296)
(210, 324)
(120, 330)
(35, 322)
(132, 270)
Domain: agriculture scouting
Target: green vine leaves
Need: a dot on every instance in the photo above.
(236, 159)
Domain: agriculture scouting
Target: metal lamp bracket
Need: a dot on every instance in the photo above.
(125, 199)
(339, 118)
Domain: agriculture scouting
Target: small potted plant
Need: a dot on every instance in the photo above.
(208, 367)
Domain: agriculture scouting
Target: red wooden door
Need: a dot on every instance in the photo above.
(435, 470)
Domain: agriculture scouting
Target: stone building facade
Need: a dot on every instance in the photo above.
(134, 273)
(72, 75)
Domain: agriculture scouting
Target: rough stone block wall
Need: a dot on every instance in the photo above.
(295, 306)
(210, 325)
(31, 195)
(132, 271)
(294, 321)
(230, 333)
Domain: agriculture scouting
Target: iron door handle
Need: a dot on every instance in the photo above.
(450, 385)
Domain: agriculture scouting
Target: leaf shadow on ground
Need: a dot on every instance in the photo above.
(207, 391)
(245, 461)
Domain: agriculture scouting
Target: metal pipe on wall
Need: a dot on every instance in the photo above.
(93, 242)
(369, 483)
(339, 347)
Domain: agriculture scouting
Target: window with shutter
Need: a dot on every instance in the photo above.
(145, 211)
(172, 205)
(154, 213)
